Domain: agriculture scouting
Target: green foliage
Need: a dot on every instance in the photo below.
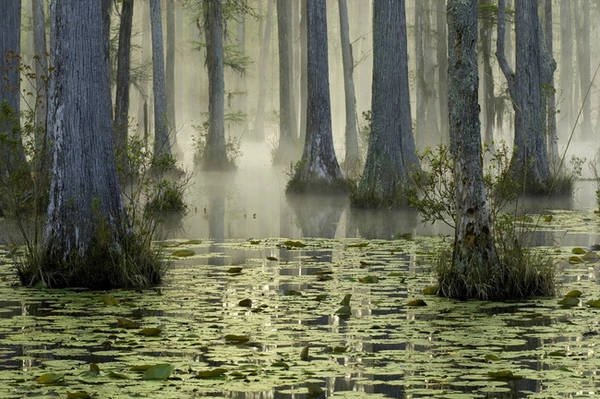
(521, 271)
(232, 144)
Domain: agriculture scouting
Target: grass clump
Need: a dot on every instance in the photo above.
(520, 271)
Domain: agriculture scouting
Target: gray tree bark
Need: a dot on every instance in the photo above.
(121, 119)
(263, 58)
(473, 240)
(162, 145)
(583, 64)
(529, 162)
(391, 155)
(170, 70)
(442, 66)
(287, 114)
(318, 170)
(85, 214)
(566, 66)
(215, 154)
(553, 155)
(11, 147)
(352, 156)
(485, 33)
(303, 71)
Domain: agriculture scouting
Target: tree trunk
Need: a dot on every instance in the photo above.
(489, 99)
(529, 162)
(583, 63)
(121, 121)
(473, 240)
(170, 70)
(162, 145)
(86, 221)
(287, 114)
(215, 154)
(42, 159)
(391, 155)
(303, 71)
(352, 156)
(442, 66)
(318, 170)
(550, 90)
(566, 67)
(12, 154)
(263, 62)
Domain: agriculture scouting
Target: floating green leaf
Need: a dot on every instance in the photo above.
(574, 294)
(127, 323)
(590, 256)
(594, 303)
(292, 293)
(578, 251)
(293, 244)
(416, 302)
(218, 372)
(346, 300)
(344, 311)
(574, 260)
(358, 245)
(183, 253)
(557, 354)
(491, 357)
(369, 279)
(110, 300)
(273, 258)
(78, 395)
(503, 375)
(569, 301)
(246, 303)
(431, 290)
(235, 339)
(150, 332)
(50, 379)
(158, 372)
(234, 270)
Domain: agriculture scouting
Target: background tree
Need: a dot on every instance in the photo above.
(162, 144)
(487, 13)
(529, 162)
(318, 170)
(566, 66)
(86, 222)
(121, 117)
(12, 154)
(170, 70)
(352, 156)
(215, 154)
(259, 119)
(550, 90)
(582, 33)
(287, 113)
(391, 155)
(473, 240)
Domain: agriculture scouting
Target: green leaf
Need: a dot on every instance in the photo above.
(304, 354)
(574, 260)
(273, 258)
(431, 290)
(491, 357)
(503, 375)
(293, 244)
(358, 245)
(594, 303)
(569, 302)
(78, 395)
(236, 339)
(210, 374)
(346, 300)
(246, 303)
(110, 300)
(574, 294)
(183, 253)
(158, 372)
(368, 279)
(578, 251)
(150, 332)
(344, 311)
(234, 270)
(416, 302)
(50, 378)
(127, 323)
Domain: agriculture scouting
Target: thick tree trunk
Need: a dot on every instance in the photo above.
(318, 170)
(12, 155)
(215, 154)
(162, 145)
(170, 70)
(529, 163)
(121, 121)
(566, 66)
(352, 156)
(85, 214)
(391, 155)
(263, 62)
(550, 67)
(303, 71)
(473, 240)
(583, 64)
(287, 114)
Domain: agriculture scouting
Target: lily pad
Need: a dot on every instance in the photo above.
(150, 332)
(578, 251)
(246, 303)
(574, 294)
(50, 379)
(127, 323)
(344, 311)
(158, 372)
(218, 372)
(569, 301)
(416, 303)
(368, 279)
(346, 300)
(594, 303)
(503, 375)
(234, 270)
(574, 260)
(78, 395)
(293, 244)
(183, 253)
(236, 339)
(273, 258)
(358, 245)
(431, 290)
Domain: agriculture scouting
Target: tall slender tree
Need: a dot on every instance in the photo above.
(12, 154)
(582, 31)
(529, 163)
(549, 90)
(391, 156)
(287, 113)
(566, 66)
(162, 144)
(486, 14)
(170, 70)
(318, 170)
(215, 154)
(259, 120)
(121, 117)
(86, 220)
(352, 156)
(473, 240)
(442, 65)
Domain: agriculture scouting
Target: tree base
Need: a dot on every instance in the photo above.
(317, 186)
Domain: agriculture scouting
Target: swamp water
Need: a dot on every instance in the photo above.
(264, 319)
